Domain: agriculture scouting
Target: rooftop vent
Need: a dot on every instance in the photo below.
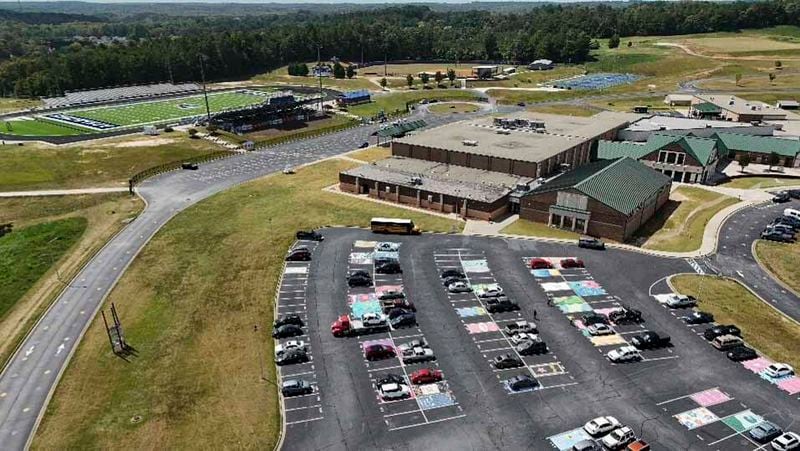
(469, 142)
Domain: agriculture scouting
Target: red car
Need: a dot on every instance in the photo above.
(540, 263)
(572, 263)
(426, 376)
(378, 352)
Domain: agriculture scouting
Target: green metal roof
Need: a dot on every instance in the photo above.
(702, 149)
(623, 184)
(758, 144)
(707, 108)
(400, 129)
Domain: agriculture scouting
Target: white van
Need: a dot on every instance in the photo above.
(792, 213)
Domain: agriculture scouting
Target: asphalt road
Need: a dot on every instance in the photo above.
(347, 413)
(30, 376)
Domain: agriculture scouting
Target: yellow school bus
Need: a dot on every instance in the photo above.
(394, 225)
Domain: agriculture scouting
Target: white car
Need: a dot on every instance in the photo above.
(681, 301)
(618, 438)
(522, 336)
(600, 329)
(394, 391)
(777, 370)
(289, 345)
(787, 441)
(459, 287)
(387, 247)
(601, 426)
(624, 354)
(492, 291)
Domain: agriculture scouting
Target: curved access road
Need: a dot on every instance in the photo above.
(31, 375)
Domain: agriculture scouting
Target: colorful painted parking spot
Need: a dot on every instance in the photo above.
(467, 312)
(608, 340)
(296, 270)
(695, 418)
(381, 289)
(566, 440)
(556, 286)
(481, 328)
(790, 385)
(386, 256)
(475, 265)
(585, 288)
(571, 304)
(387, 243)
(363, 297)
(757, 365)
(742, 421)
(365, 244)
(433, 396)
(548, 369)
(361, 258)
(607, 311)
(544, 273)
(359, 309)
(711, 397)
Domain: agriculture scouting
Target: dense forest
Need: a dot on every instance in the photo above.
(45, 53)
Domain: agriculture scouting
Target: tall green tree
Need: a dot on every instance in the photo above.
(350, 71)
(410, 80)
(613, 41)
(338, 70)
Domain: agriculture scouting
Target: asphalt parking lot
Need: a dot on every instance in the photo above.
(688, 396)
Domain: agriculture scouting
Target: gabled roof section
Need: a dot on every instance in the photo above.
(759, 144)
(701, 149)
(623, 184)
(707, 108)
(610, 150)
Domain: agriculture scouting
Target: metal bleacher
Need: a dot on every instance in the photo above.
(104, 95)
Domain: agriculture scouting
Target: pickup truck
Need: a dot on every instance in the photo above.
(371, 323)
(649, 340)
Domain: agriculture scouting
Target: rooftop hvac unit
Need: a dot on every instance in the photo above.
(730, 102)
(662, 127)
(537, 125)
(503, 132)
(469, 142)
(416, 180)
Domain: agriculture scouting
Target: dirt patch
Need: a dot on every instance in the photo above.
(146, 142)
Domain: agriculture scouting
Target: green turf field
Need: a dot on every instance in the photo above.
(39, 127)
(168, 110)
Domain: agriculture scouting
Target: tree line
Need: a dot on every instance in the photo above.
(43, 59)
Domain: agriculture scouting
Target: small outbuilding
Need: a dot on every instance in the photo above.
(541, 64)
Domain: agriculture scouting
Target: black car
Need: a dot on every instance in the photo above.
(291, 357)
(390, 295)
(531, 347)
(507, 361)
(698, 318)
(794, 193)
(777, 236)
(296, 387)
(390, 267)
(713, 332)
(364, 145)
(359, 279)
(288, 319)
(397, 311)
(452, 273)
(650, 340)
(586, 445)
(405, 319)
(521, 382)
(391, 379)
(764, 432)
(522, 104)
(287, 331)
(591, 243)
(781, 197)
(189, 166)
(298, 254)
(593, 318)
(501, 304)
(626, 316)
(789, 220)
(451, 280)
(786, 222)
(742, 353)
(309, 235)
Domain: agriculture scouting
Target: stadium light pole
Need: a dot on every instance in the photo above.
(205, 94)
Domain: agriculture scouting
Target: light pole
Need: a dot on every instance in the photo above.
(319, 75)
(205, 94)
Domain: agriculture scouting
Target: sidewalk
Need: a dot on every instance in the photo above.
(64, 192)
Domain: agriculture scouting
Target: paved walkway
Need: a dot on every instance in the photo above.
(64, 192)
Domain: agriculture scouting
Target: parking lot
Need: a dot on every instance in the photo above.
(472, 407)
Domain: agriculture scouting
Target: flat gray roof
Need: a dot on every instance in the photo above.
(560, 133)
(656, 123)
(739, 105)
(440, 178)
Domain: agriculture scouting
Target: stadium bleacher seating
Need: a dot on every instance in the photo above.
(104, 95)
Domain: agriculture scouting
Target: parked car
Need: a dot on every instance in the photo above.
(393, 391)
(650, 340)
(624, 354)
(379, 352)
(363, 145)
(742, 353)
(452, 273)
(532, 346)
(781, 197)
(459, 287)
(491, 291)
(638, 445)
(777, 236)
(289, 345)
(618, 438)
(397, 311)
(359, 278)
(598, 329)
(391, 295)
(385, 246)
(391, 378)
(522, 336)
(786, 441)
(298, 254)
(786, 222)
(287, 331)
(587, 445)
(681, 301)
(764, 432)
(291, 357)
(417, 355)
(626, 315)
(519, 327)
(540, 263)
(776, 370)
(569, 263)
(794, 193)
(453, 279)
(698, 317)
(726, 342)
(390, 267)
(309, 235)
(296, 387)
(288, 319)
(191, 166)
(405, 319)
(501, 304)
(591, 243)
(780, 228)
(601, 426)
(387, 305)
(426, 376)
(507, 361)
(593, 318)
(520, 383)
(722, 329)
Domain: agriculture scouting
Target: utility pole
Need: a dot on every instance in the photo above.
(205, 94)
(319, 75)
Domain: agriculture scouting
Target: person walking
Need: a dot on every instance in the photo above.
(535, 315)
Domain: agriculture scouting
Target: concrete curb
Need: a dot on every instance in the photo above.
(770, 273)
(282, 430)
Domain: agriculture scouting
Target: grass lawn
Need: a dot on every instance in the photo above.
(9, 104)
(391, 102)
(371, 154)
(40, 127)
(781, 259)
(760, 182)
(344, 84)
(762, 326)
(679, 225)
(27, 253)
(453, 108)
(107, 162)
(530, 228)
(627, 104)
(189, 310)
(564, 108)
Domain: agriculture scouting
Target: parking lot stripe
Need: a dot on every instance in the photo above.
(400, 413)
(303, 408)
(288, 423)
(427, 422)
(297, 374)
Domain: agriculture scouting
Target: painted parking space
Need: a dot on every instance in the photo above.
(566, 440)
